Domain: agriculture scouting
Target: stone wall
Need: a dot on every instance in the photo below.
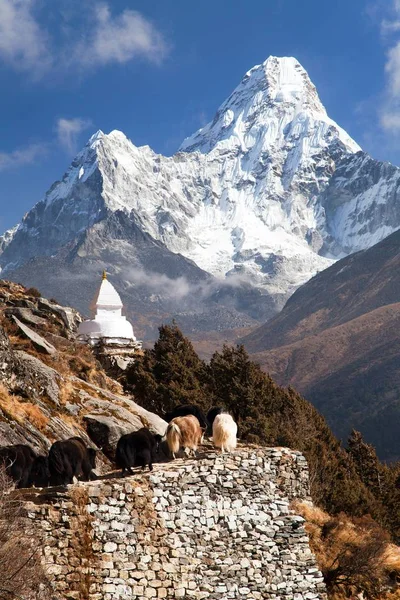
(216, 527)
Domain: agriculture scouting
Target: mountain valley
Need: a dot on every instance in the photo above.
(337, 342)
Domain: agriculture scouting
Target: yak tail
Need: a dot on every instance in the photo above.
(124, 457)
(173, 438)
(56, 461)
(120, 458)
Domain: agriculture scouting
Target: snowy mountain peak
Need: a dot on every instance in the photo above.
(284, 81)
(95, 137)
(270, 97)
(269, 192)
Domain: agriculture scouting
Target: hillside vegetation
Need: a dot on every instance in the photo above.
(51, 386)
(341, 480)
(354, 555)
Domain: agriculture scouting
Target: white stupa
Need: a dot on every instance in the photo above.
(109, 326)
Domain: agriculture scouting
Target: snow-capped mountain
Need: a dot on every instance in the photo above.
(268, 193)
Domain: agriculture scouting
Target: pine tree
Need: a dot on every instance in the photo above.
(170, 374)
(366, 462)
(380, 479)
(239, 385)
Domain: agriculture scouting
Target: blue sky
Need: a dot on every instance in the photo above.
(159, 69)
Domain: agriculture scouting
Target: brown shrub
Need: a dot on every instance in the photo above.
(67, 391)
(21, 573)
(354, 554)
(32, 291)
(34, 415)
(8, 404)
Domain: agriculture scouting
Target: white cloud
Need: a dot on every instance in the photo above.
(89, 37)
(22, 156)
(23, 44)
(390, 109)
(120, 39)
(68, 131)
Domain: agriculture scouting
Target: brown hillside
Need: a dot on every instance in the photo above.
(337, 342)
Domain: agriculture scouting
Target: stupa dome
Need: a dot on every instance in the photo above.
(108, 326)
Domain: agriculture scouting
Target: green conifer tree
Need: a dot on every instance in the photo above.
(170, 374)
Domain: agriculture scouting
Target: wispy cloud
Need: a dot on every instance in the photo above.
(23, 156)
(88, 38)
(390, 29)
(119, 39)
(24, 45)
(68, 131)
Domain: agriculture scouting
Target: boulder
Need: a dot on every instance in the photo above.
(68, 315)
(26, 315)
(105, 432)
(37, 340)
(7, 359)
(46, 379)
(108, 418)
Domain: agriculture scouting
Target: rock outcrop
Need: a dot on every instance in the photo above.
(52, 387)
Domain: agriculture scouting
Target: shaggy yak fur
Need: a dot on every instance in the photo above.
(39, 475)
(70, 458)
(224, 432)
(184, 432)
(184, 410)
(17, 461)
(137, 449)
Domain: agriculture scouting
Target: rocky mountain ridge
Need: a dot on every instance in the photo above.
(255, 203)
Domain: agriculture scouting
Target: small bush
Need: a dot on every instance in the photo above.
(18, 410)
(32, 291)
(35, 415)
(354, 554)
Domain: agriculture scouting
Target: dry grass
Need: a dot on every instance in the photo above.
(14, 408)
(35, 415)
(68, 392)
(354, 555)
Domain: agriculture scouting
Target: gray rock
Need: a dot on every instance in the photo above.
(7, 359)
(68, 315)
(26, 315)
(109, 418)
(37, 340)
(105, 432)
(47, 377)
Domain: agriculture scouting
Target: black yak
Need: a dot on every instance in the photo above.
(17, 461)
(70, 458)
(137, 449)
(39, 475)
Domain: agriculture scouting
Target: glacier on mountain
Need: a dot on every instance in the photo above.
(268, 192)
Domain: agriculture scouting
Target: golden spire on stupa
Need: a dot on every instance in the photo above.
(104, 276)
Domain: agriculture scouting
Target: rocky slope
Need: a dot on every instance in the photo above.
(51, 387)
(253, 205)
(337, 342)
